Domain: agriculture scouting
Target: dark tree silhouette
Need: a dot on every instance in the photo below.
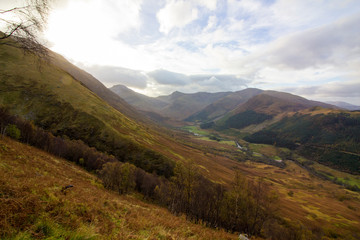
(23, 24)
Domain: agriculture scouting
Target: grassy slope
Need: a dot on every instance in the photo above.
(36, 93)
(32, 204)
(96, 86)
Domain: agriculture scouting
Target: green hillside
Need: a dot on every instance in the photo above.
(56, 101)
(331, 138)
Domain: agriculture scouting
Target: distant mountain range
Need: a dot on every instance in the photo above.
(204, 107)
(321, 131)
(345, 105)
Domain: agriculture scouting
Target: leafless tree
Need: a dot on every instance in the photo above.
(23, 24)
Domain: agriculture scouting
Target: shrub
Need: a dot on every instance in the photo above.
(13, 132)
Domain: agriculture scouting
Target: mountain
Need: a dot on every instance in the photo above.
(137, 100)
(176, 106)
(273, 103)
(345, 105)
(223, 105)
(95, 86)
(182, 105)
(266, 106)
(58, 102)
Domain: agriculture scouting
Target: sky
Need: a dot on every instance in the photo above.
(306, 47)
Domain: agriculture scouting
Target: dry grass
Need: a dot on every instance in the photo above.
(33, 205)
(315, 203)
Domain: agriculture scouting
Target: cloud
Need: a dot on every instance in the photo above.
(169, 78)
(211, 23)
(210, 45)
(224, 79)
(348, 89)
(326, 45)
(176, 14)
(110, 76)
(210, 4)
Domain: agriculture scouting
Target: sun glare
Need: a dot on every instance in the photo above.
(82, 32)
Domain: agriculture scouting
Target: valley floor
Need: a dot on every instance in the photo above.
(304, 198)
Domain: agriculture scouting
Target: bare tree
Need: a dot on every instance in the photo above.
(23, 24)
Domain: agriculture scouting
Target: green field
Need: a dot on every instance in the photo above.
(204, 135)
(195, 129)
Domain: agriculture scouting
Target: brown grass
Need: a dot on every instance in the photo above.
(33, 205)
(316, 203)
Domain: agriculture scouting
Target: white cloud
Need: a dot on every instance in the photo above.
(267, 44)
(110, 75)
(85, 30)
(334, 91)
(176, 14)
(210, 4)
(211, 24)
(165, 77)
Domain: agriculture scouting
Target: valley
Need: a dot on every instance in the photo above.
(307, 192)
(297, 148)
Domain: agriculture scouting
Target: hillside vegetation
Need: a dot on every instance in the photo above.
(331, 138)
(34, 204)
(57, 102)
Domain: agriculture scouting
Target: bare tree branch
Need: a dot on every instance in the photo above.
(24, 26)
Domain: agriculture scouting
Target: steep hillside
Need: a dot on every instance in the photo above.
(34, 204)
(56, 101)
(137, 100)
(95, 86)
(182, 105)
(224, 105)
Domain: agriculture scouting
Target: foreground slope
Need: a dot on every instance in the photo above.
(33, 205)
